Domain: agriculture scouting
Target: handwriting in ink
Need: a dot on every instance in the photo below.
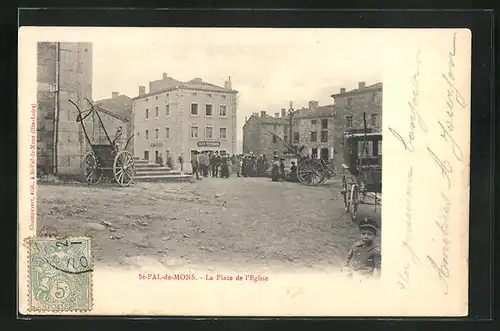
(441, 269)
(413, 111)
(444, 166)
(446, 135)
(453, 95)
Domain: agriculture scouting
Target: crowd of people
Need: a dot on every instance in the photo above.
(213, 164)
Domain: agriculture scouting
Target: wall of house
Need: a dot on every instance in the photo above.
(202, 121)
(64, 71)
(369, 102)
(173, 120)
(307, 125)
(179, 122)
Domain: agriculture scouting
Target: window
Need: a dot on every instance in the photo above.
(156, 97)
(314, 136)
(324, 124)
(194, 93)
(194, 131)
(285, 129)
(167, 110)
(275, 140)
(147, 113)
(222, 110)
(208, 132)
(275, 127)
(285, 137)
(314, 122)
(167, 95)
(348, 120)
(324, 136)
(350, 101)
(209, 95)
(146, 99)
(157, 112)
(223, 96)
(147, 134)
(157, 133)
(208, 110)
(374, 120)
(380, 147)
(296, 137)
(167, 132)
(194, 109)
(66, 161)
(223, 133)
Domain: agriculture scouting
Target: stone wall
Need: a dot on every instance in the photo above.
(64, 71)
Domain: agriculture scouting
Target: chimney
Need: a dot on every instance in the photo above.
(277, 115)
(227, 84)
(283, 112)
(165, 76)
(313, 105)
(115, 94)
(142, 90)
(262, 113)
(361, 85)
(342, 90)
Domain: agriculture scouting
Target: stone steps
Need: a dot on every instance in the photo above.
(151, 172)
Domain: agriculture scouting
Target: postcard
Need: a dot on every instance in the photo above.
(238, 171)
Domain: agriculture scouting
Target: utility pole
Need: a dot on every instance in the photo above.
(291, 113)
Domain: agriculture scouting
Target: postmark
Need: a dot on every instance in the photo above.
(60, 274)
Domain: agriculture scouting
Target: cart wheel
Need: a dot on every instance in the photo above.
(311, 172)
(124, 168)
(344, 192)
(353, 201)
(91, 169)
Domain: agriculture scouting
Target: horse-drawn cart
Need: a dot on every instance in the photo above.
(310, 171)
(105, 160)
(362, 170)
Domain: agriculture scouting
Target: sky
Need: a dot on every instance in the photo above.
(268, 67)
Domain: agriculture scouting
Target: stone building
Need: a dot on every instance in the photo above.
(64, 72)
(178, 118)
(311, 127)
(257, 137)
(350, 106)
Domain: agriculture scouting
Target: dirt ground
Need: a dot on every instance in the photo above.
(235, 221)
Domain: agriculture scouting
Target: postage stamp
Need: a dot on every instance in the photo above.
(60, 274)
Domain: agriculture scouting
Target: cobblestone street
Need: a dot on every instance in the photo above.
(232, 222)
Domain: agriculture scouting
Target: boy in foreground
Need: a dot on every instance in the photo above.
(364, 259)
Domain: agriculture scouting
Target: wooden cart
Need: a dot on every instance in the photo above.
(105, 160)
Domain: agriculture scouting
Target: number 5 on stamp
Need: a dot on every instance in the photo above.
(60, 274)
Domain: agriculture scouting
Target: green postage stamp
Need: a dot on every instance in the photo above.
(60, 274)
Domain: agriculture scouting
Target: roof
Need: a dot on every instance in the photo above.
(369, 88)
(120, 105)
(321, 111)
(193, 84)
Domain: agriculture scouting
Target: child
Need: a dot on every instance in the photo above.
(365, 257)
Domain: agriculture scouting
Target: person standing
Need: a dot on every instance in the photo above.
(181, 161)
(195, 164)
(364, 259)
(216, 164)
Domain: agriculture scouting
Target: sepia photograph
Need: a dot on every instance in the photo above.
(241, 165)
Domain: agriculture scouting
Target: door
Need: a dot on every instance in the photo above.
(314, 152)
(324, 154)
(146, 155)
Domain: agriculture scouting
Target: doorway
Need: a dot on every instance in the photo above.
(324, 154)
(156, 156)
(146, 155)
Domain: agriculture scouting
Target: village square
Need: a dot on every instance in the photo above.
(170, 172)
